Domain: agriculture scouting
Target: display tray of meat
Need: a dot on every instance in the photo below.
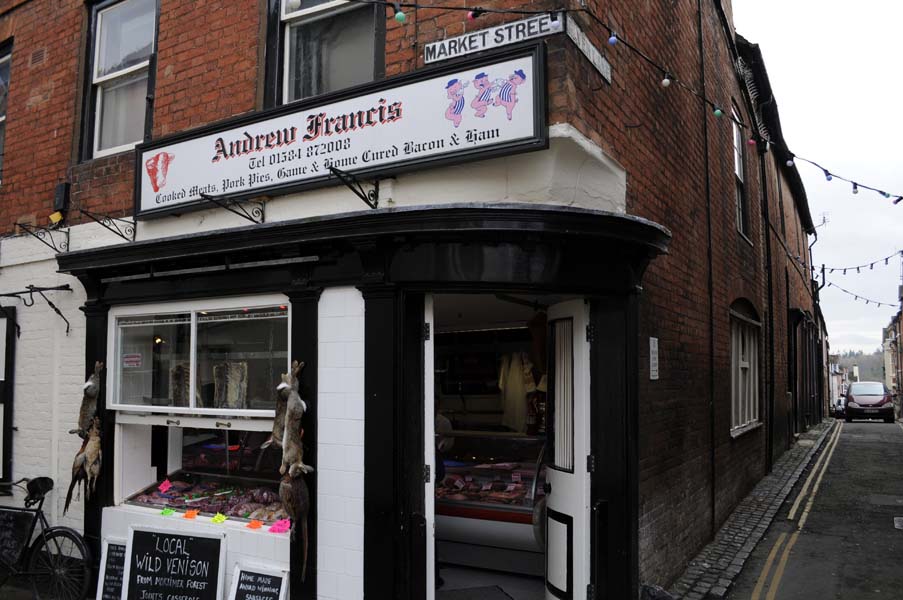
(235, 498)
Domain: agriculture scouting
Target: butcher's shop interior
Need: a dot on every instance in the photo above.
(492, 416)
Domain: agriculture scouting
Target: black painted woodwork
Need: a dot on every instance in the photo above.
(614, 490)
(7, 391)
(304, 348)
(96, 315)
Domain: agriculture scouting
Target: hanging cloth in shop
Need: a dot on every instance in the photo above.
(513, 384)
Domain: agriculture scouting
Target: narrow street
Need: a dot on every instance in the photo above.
(835, 537)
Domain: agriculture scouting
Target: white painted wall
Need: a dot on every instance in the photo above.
(340, 445)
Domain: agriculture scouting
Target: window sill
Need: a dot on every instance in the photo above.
(740, 431)
(198, 421)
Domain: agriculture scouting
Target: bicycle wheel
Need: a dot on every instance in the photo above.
(59, 566)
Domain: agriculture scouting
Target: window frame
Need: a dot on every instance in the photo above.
(6, 55)
(746, 409)
(279, 21)
(192, 307)
(741, 198)
(93, 85)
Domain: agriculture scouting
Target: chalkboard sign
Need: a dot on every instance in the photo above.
(162, 564)
(15, 527)
(256, 583)
(112, 567)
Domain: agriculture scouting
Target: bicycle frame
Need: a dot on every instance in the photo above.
(15, 570)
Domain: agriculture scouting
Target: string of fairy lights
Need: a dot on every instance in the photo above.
(668, 76)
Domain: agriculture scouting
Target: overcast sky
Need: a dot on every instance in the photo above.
(836, 68)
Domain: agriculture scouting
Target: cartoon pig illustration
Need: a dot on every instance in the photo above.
(455, 110)
(508, 94)
(157, 167)
(483, 99)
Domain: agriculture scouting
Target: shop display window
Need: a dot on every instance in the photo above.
(223, 472)
(206, 358)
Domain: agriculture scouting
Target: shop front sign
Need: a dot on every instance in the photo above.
(458, 112)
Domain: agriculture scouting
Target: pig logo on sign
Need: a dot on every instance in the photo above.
(157, 167)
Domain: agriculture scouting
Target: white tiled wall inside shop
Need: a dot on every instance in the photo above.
(340, 449)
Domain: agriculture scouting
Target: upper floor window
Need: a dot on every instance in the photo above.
(123, 45)
(745, 328)
(4, 90)
(739, 176)
(328, 45)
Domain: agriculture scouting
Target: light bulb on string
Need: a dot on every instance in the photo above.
(475, 14)
(717, 112)
(399, 14)
(828, 176)
(751, 141)
(855, 188)
(885, 262)
(885, 194)
(789, 162)
(872, 267)
(844, 271)
(857, 269)
(613, 39)
(898, 200)
(666, 80)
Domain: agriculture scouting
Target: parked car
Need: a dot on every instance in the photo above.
(869, 400)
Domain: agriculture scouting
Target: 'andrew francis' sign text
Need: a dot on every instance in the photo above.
(455, 113)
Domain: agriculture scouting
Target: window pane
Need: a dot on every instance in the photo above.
(122, 106)
(233, 453)
(154, 360)
(125, 36)
(4, 85)
(2, 143)
(330, 54)
(241, 355)
(563, 393)
(296, 5)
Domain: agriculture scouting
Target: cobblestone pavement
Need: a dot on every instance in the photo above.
(711, 574)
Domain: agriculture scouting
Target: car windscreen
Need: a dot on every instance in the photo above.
(867, 389)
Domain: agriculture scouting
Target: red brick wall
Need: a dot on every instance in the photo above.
(41, 114)
(208, 69)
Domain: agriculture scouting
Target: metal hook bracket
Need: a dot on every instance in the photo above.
(30, 291)
(256, 214)
(121, 227)
(370, 198)
(43, 234)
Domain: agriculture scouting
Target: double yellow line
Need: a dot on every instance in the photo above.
(817, 473)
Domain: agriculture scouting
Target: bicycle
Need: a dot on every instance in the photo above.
(57, 562)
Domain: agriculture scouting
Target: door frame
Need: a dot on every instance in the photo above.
(7, 393)
(614, 443)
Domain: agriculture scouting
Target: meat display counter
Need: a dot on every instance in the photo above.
(489, 505)
(221, 472)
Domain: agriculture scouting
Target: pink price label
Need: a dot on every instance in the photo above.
(511, 487)
(459, 483)
(487, 486)
(164, 487)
